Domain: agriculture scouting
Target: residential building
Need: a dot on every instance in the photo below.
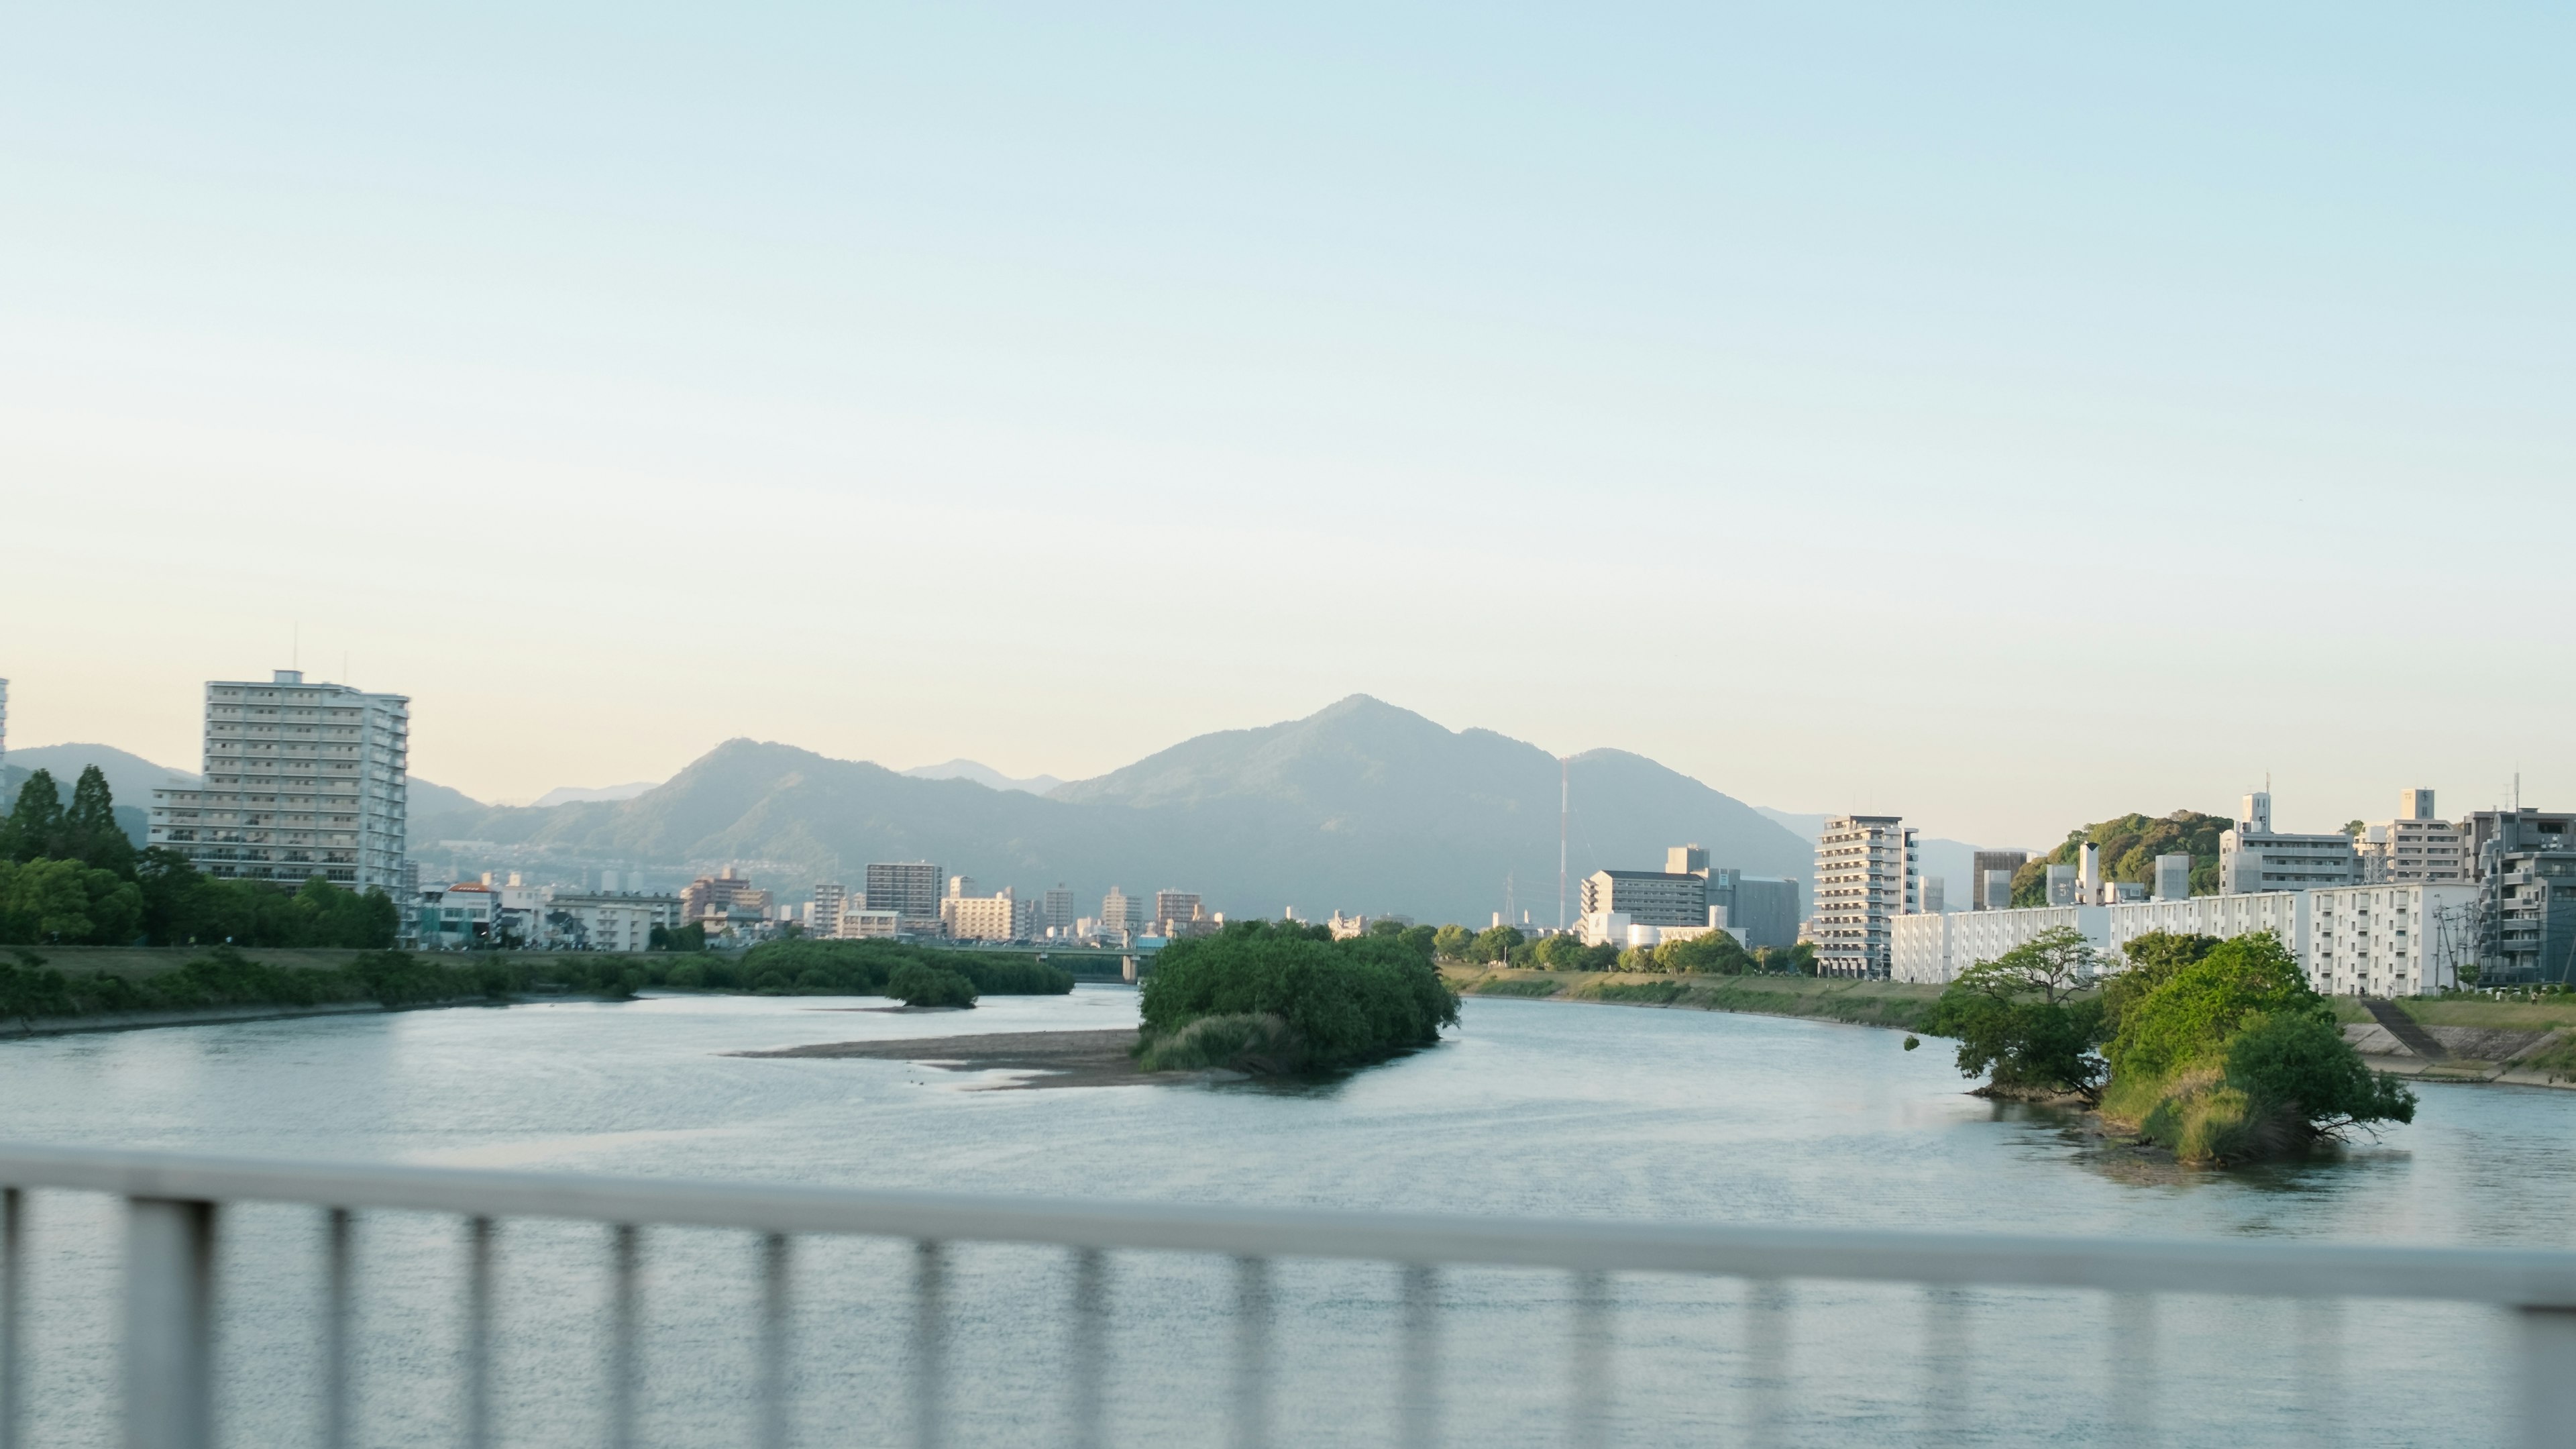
(722, 899)
(982, 918)
(2415, 846)
(608, 920)
(1059, 911)
(863, 922)
(1175, 906)
(1865, 877)
(910, 889)
(823, 913)
(1985, 893)
(2283, 913)
(300, 780)
(1936, 895)
(2389, 940)
(1932, 948)
(1649, 897)
(2254, 858)
(1762, 910)
(2064, 886)
(1120, 914)
(2526, 878)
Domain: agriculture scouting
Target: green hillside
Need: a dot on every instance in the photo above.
(2130, 845)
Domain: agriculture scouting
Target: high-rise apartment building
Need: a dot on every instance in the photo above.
(1176, 906)
(714, 901)
(300, 780)
(1119, 912)
(910, 889)
(1059, 910)
(2526, 878)
(823, 917)
(2415, 847)
(1648, 897)
(1866, 876)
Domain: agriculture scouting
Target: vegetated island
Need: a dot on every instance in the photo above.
(1274, 998)
(227, 983)
(2218, 1051)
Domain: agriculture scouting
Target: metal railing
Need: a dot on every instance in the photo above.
(175, 1210)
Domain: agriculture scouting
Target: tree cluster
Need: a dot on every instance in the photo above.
(1334, 1003)
(2130, 845)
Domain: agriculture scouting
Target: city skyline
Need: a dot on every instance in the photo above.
(1992, 420)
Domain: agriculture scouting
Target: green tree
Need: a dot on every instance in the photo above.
(1423, 939)
(2018, 1020)
(2191, 1015)
(1453, 942)
(67, 902)
(1386, 926)
(2154, 959)
(915, 984)
(35, 821)
(90, 832)
(2297, 1065)
(1496, 943)
(1715, 952)
(2130, 845)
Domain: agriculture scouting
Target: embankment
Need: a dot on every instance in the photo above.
(1862, 1003)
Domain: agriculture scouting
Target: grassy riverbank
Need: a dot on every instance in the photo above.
(1862, 1003)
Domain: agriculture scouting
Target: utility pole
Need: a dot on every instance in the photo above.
(1564, 806)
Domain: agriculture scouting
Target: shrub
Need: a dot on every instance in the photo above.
(1253, 1042)
(915, 984)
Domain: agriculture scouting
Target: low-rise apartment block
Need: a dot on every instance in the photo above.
(2254, 858)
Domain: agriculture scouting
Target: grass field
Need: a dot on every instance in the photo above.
(1864, 1003)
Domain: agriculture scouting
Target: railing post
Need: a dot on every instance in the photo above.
(773, 1341)
(13, 1304)
(1588, 1401)
(1250, 1428)
(478, 1333)
(625, 1360)
(2548, 1377)
(335, 1330)
(169, 1324)
(1418, 1416)
(930, 1346)
(1087, 1356)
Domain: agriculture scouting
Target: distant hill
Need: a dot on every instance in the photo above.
(576, 795)
(984, 775)
(1360, 807)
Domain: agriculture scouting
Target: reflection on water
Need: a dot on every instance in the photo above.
(1534, 1108)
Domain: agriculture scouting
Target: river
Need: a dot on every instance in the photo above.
(1542, 1108)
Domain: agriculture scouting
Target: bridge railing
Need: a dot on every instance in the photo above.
(175, 1211)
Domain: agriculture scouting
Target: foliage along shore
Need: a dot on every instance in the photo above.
(1276, 998)
(224, 978)
(1894, 1004)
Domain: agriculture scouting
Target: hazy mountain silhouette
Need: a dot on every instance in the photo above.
(984, 775)
(1361, 807)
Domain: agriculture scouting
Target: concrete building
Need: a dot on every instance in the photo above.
(1932, 949)
(605, 921)
(1762, 910)
(984, 918)
(460, 917)
(1059, 911)
(2389, 940)
(909, 888)
(823, 914)
(2283, 913)
(1648, 897)
(2064, 885)
(1176, 908)
(1936, 896)
(721, 899)
(2173, 877)
(1984, 892)
(300, 780)
(2254, 858)
(863, 922)
(2526, 878)
(1865, 878)
(1121, 913)
(2416, 845)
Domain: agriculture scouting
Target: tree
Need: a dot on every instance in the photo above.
(68, 902)
(35, 821)
(1496, 943)
(1453, 942)
(90, 833)
(2190, 1017)
(2154, 959)
(2018, 1021)
(1386, 926)
(2298, 1064)
(1421, 939)
(2130, 845)
(915, 984)
(1716, 951)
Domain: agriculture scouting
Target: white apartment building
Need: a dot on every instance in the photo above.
(1866, 877)
(1000, 917)
(300, 780)
(1932, 948)
(2253, 857)
(1121, 912)
(822, 915)
(861, 922)
(608, 921)
(2389, 940)
(2283, 913)
(2416, 846)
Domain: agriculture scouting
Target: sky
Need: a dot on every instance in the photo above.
(2002, 415)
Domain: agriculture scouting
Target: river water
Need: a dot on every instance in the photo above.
(1533, 1108)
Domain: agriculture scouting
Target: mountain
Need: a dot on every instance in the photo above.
(1361, 807)
(981, 774)
(576, 795)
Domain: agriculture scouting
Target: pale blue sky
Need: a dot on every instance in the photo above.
(2002, 415)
